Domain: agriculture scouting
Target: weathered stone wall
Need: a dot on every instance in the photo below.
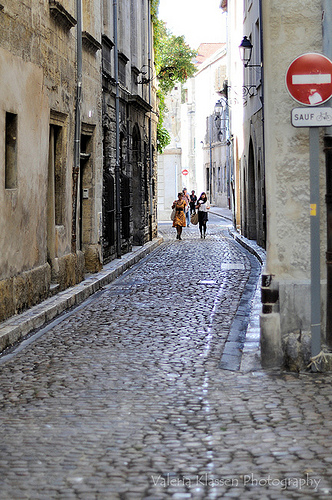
(137, 111)
(22, 216)
(38, 81)
(38, 84)
(253, 177)
(91, 129)
(24, 290)
(290, 29)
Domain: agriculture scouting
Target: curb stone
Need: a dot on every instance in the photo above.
(222, 215)
(250, 360)
(242, 348)
(16, 327)
(249, 245)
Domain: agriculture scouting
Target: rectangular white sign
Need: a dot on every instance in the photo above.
(312, 117)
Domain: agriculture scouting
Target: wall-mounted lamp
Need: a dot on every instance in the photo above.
(146, 73)
(220, 106)
(245, 48)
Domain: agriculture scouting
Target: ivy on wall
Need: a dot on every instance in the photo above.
(173, 63)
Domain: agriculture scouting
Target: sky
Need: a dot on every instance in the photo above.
(200, 21)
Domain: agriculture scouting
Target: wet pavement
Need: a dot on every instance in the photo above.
(126, 398)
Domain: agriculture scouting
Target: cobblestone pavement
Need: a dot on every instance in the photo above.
(125, 399)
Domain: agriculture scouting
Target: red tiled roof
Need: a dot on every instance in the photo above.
(205, 50)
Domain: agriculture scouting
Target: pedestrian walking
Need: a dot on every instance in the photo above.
(187, 200)
(179, 220)
(193, 201)
(203, 206)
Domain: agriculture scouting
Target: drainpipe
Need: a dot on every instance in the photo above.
(117, 132)
(210, 150)
(150, 124)
(76, 167)
(327, 50)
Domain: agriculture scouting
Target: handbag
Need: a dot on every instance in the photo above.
(173, 213)
(194, 219)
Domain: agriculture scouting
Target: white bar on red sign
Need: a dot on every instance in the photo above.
(317, 79)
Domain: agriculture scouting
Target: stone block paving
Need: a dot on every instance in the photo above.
(125, 398)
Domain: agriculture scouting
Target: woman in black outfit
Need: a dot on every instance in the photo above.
(203, 206)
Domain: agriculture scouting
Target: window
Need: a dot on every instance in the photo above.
(152, 163)
(219, 78)
(207, 172)
(122, 61)
(57, 168)
(11, 151)
(107, 46)
(85, 183)
(145, 172)
(125, 206)
(184, 95)
(133, 30)
(257, 53)
(108, 211)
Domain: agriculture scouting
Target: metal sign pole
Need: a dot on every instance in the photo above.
(315, 241)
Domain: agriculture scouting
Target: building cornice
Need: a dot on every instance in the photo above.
(90, 43)
(61, 15)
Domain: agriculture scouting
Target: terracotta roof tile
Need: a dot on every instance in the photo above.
(205, 50)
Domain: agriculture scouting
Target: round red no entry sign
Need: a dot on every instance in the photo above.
(309, 79)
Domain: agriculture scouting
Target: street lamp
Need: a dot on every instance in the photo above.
(219, 107)
(146, 73)
(245, 48)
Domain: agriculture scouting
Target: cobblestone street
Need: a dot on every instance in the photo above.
(126, 397)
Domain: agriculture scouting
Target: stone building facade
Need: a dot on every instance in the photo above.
(245, 101)
(287, 290)
(197, 157)
(170, 178)
(54, 143)
(137, 122)
(272, 163)
(211, 126)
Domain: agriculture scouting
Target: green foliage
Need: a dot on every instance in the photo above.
(163, 137)
(173, 58)
(154, 10)
(173, 63)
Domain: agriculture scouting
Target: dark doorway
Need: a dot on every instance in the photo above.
(138, 192)
(251, 196)
(108, 217)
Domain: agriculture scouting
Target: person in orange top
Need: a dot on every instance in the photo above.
(179, 220)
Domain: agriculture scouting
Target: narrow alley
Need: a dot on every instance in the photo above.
(126, 398)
